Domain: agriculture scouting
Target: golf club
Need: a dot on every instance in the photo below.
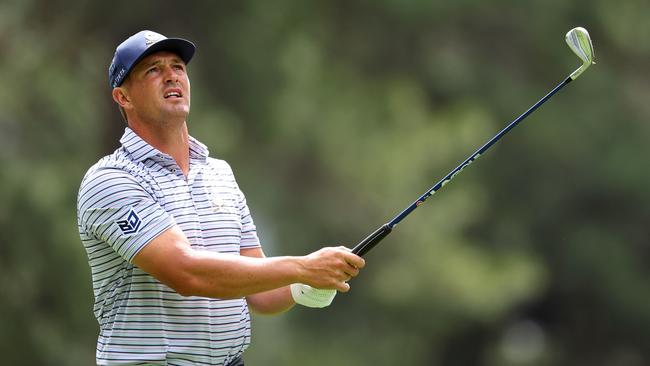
(580, 43)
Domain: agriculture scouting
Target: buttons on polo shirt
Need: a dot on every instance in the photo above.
(164, 157)
(173, 168)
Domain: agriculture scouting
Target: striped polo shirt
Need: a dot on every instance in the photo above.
(126, 200)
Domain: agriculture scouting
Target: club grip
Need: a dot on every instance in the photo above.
(373, 239)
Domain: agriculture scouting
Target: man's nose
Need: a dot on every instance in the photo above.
(169, 75)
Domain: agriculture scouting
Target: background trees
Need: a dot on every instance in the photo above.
(335, 115)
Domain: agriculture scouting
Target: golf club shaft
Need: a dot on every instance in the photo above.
(373, 239)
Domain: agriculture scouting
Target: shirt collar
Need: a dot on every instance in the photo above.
(140, 150)
(198, 150)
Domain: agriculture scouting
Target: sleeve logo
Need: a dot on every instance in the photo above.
(131, 224)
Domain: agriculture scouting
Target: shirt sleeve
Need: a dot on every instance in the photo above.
(115, 208)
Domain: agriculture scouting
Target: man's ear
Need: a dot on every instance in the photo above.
(121, 97)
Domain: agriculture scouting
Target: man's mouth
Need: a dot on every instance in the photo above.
(173, 94)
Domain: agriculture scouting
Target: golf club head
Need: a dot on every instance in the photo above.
(580, 43)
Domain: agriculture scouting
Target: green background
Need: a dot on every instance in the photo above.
(335, 115)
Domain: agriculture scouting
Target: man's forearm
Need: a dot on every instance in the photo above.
(271, 302)
(230, 276)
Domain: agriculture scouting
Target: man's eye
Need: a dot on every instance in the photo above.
(151, 70)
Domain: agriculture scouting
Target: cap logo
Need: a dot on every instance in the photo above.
(152, 37)
(119, 76)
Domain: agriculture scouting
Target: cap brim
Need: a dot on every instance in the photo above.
(182, 47)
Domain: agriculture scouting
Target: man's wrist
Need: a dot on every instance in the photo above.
(298, 273)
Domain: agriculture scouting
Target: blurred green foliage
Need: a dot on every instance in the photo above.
(335, 115)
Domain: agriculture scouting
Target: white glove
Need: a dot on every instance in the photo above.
(311, 297)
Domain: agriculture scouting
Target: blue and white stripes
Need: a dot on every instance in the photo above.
(126, 200)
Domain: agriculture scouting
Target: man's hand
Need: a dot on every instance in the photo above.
(331, 268)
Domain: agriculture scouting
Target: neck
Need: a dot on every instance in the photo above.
(171, 139)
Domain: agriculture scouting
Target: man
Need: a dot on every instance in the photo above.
(175, 258)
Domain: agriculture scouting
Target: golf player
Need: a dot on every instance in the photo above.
(175, 259)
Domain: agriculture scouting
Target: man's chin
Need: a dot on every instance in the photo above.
(178, 112)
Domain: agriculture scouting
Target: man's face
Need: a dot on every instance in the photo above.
(158, 88)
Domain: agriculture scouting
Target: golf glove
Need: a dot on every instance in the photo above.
(311, 297)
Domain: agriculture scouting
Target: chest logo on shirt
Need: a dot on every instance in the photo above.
(131, 224)
(216, 202)
(219, 204)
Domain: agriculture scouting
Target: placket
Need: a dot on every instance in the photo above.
(192, 216)
(195, 194)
